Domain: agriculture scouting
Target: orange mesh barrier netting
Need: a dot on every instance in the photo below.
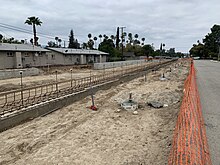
(189, 144)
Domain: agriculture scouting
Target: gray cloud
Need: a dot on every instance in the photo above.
(177, 23)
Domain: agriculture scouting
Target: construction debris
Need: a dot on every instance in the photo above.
(155, 104)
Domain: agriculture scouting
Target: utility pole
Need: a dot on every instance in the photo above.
(122, 40)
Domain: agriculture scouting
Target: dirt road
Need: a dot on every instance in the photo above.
(77, 135)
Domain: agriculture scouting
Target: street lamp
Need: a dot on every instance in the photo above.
(21, 73)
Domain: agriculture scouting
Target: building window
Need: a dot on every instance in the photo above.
(26, 54)
(40, 54)
(53, 57)
(10, 54)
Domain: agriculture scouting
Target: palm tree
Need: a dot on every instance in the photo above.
(95, 39)
(112, 37)
(136, 41)
(34, 21)
(100, 36)
(124, 34)
(56, 39)
(89, 35)
(59, 40)
(105, 36)
(130, 37)
(136, 36)
(143, 39)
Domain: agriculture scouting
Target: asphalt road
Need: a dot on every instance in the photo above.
(208, 80)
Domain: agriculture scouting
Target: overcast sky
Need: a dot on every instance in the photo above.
(177, 23)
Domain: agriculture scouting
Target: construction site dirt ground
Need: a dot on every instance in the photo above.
(111, 135)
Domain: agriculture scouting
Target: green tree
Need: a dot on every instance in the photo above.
(210, 42)
(73, 43)
(1, 37)
(84, 45)
(34, 21)
(51, 44)
(197, 50)
(108, 46)
(147, 50)
(90, 44)
(209, 48)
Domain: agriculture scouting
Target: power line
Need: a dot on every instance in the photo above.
(5, 33)
(22, 30)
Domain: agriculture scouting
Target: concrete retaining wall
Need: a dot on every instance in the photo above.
(13, 73)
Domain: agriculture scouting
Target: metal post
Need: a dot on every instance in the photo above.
(113, 69)
(90, 78)
(71, 70)
(121, 69)
(22, 101)
(93, 102)
(130, 97)
(56, 83)
(48, 68)
(145, 75)
(104, 71)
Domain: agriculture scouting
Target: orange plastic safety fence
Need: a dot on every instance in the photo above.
(189, 146)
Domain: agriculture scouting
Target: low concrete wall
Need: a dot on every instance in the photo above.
(14, 73)
(107, 65)
(45, 108)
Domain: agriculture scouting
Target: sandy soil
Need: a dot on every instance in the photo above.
(77, 135)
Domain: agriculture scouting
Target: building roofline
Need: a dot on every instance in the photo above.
(76, 51)
(21, 47)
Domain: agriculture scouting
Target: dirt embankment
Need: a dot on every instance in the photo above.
(77, 135)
